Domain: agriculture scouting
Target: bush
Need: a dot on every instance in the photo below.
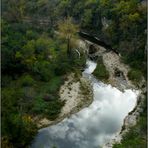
(79, 62)
(31, 34)
(26, 80)
(62, 69)
(55, 84)
(39, 106)
(50, 87)
(49, 109)
(10, 97)
(14, 130)
(5, 81)
(21, 131)
(42, 45)
(63, 66)
(53, 109)
(100, 72)
(43, 70)
(135, 75)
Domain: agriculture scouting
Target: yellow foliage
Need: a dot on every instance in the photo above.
(5, 143)
(18, 55)
(134, 17)
(67, 29)
(27, 118)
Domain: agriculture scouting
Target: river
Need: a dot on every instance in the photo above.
(93, 126)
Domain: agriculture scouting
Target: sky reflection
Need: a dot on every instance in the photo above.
(93, 126)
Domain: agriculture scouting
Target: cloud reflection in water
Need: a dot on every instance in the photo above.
(93, 126)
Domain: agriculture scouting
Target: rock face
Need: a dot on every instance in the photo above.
(72, 92)
(117, 70)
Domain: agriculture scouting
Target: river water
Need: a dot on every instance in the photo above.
(93, 126)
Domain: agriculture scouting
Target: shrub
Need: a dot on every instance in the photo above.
(20, 131)
(26, 80)
(100, 72)
(135, 75)
(50, 87)
(39, 106)
(55, 84)
(63, 66)
(53, 109)
(31, 34)
(43, 70)
(49, 109)
(6, 80)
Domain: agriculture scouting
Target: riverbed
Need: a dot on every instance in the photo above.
(95, 125)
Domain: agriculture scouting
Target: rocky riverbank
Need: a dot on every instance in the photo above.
(118, 77)
(77, 93)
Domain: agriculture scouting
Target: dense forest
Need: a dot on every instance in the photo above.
(35, 60)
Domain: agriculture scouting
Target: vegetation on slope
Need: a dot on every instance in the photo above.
(34, 62)
(34, 66)
(122, 24)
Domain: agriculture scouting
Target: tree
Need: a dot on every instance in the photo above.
(14, 10)
(68, 32)
(87, 18)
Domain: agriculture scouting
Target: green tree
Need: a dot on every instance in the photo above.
(68, 30)
(87, 17)
(14, 10)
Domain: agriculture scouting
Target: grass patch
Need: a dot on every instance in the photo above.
(135, 75)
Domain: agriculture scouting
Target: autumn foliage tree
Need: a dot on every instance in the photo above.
(68, 31)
